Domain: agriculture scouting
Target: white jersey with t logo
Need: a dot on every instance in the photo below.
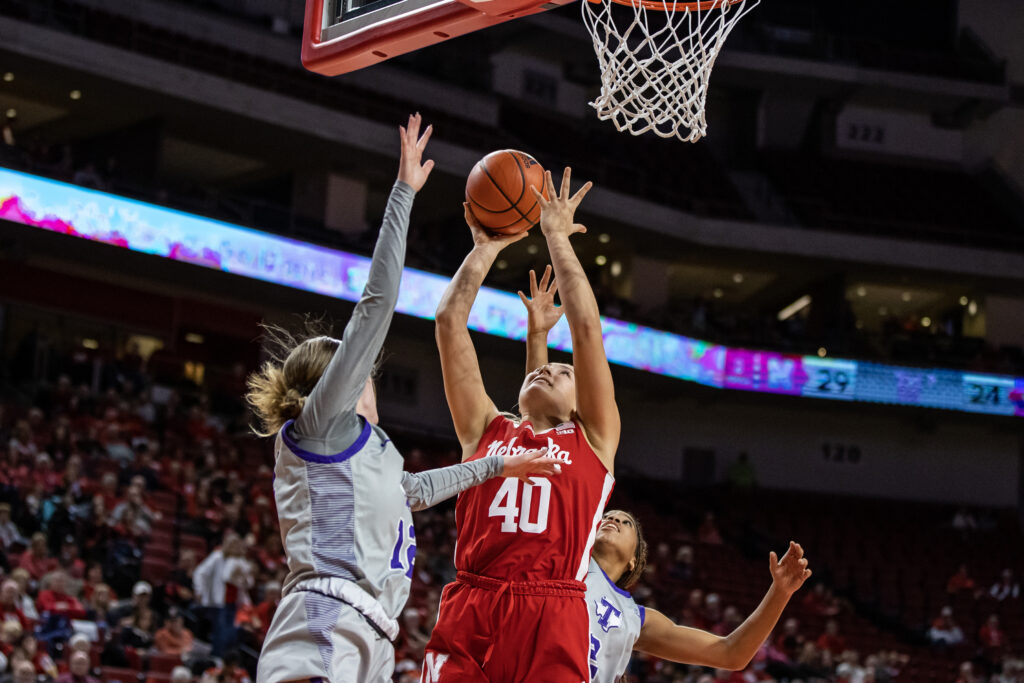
(615, 623)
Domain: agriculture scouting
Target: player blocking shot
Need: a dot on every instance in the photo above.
(618, 625)
(516, 611)
(343, 501)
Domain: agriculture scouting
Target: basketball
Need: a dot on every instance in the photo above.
(498, 191)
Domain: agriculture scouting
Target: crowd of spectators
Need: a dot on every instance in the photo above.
(140, 536)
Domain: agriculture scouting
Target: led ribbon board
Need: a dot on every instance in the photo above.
(88, 214)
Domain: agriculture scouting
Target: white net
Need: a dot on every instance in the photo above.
(656, 63)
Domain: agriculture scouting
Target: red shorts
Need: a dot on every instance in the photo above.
(491, 631)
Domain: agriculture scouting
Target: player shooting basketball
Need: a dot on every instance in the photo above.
(343, 501)
(617, 624)
(516, 611)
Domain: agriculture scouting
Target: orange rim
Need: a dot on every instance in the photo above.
(667, 5)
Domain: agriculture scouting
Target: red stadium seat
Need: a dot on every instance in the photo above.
(110, 674)
(162, 663)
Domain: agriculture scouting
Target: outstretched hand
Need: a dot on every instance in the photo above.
(410, 170)
(535, 462)
(557, 213)
(542, 312)
(791, 571)
(482, 238)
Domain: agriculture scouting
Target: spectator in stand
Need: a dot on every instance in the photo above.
(178, 587)
(9, 534)
(100, 606)
(9, 610)
(78, 669)
(137, 629)
(56, 601)
(966, 674)
(11, 633)
(731, 618)
(708, 531)
(255, 619)
(141, 517)
(1006, 587)
(181, 674)
(831, 640)
(960, 582)
(230, 672)
(992, 639)
(217, 582)
(25, 602)
(944, 630)
(789, 641)
(36, 559)
(174, 638)
(712, 612)
(741, 475)
(820, 602)
(39, 657)
(24, 672)
(684, 569)
(108, 491)
(22, 446)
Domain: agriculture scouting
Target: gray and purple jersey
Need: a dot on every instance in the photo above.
(615, 624)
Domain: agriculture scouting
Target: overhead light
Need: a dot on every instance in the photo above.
(194, 338)
(737, 278)
(604, 238)
(532, 249)
(601, 259)
(717, 293)
(963, 301)
(75, 94)
(822, 352)
(972, 307)
(90, 344)
(905, 296)
(795, 307)
(502, 264)
(616, 268)
(862, 291)
(8, 77)
(12, 113)
(926, 322)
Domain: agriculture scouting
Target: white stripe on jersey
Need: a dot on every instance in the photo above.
(606, 491)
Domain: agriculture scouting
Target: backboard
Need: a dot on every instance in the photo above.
(344, 35)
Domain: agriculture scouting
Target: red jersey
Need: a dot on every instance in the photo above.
(529, 532)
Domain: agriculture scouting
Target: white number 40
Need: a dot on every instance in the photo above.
(505, 505)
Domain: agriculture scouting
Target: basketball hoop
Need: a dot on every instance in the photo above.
(655, 69)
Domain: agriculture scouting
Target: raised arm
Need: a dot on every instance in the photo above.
(472, 409)
(542, 314)
(595, 391)
(426, 489)
(343, 381)
(662, 638)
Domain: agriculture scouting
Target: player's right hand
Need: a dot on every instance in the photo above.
(410, 170)
(485, 240)
(535, 463)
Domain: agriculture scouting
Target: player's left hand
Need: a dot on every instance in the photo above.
(557, 213)
(542, 313)
(410, 170)
(535, 463)
(791, 571)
